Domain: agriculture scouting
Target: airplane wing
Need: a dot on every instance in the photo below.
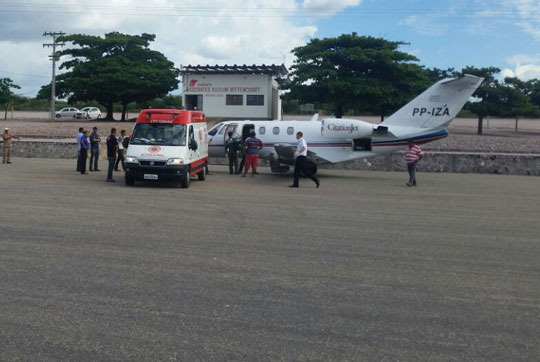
(285, 154)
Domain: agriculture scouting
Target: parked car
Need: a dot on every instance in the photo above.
(67, 112)
(88, 113)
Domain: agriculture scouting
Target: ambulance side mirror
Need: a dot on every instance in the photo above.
(193, 144)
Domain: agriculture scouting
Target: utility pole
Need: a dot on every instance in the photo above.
(54, 57)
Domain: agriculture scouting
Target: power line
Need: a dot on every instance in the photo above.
(179, 11)
(24, 74)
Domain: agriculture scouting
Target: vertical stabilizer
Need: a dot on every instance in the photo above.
(438, 105)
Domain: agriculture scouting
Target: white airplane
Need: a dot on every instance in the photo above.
(335, 140)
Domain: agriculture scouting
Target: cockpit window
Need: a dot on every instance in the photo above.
(215, 129)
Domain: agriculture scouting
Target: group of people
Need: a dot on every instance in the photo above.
(115, 151)
(249, 150)
(252, 145)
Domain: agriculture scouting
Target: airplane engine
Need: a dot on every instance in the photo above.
(346, 128)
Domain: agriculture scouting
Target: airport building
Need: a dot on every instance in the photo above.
(234, 91)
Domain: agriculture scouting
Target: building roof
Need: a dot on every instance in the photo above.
(275, 70)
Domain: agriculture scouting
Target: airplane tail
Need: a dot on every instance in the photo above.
(438, 105)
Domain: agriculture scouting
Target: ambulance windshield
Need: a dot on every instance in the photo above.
(165, 134)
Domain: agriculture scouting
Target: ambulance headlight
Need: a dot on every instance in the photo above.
(175, 161)
(131, 159)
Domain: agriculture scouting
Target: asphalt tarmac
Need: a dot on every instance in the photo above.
(233, 269)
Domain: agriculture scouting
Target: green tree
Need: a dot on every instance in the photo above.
(6, 95)
(434, 74)
(517, 99)
(116, 68)
(488, 94)
(355, 72)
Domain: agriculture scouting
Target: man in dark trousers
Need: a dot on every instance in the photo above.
(413, 154)
(84, 151)
(79, 136)
(232, 146)
(301, 162)
(94, 150)
(112, 150)
(120, 158)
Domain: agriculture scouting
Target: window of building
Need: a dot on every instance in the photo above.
(290, 130)
(234, 100)
(262, 130)
(255, 100)
(275, 130)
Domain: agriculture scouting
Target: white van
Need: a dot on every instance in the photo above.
(167, 144)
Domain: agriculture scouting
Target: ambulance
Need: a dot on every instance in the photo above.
(167, 144)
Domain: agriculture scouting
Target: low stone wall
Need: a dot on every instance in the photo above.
(462, 162)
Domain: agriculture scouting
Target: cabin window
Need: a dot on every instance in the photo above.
(234, 100)
(222, 130)
(275, 130)
(290, 130)
(262, 130)
(255, 100)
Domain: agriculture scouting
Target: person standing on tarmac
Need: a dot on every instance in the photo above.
(94, 150)
(300, 164)
(79, 136)
(120, 158)
(413, 153)
(252, 147)
(84, 152)
(232, 146)
(7, 137)
(112, 150)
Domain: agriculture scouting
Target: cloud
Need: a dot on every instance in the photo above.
(328, 7)
(426, 25)
(523, 72)
(524, 14)
(524, 66)
(187, 32)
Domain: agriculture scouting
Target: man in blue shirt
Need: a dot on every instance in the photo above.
(84, 151)
(79, 136)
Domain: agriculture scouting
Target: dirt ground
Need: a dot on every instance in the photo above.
(499, 134)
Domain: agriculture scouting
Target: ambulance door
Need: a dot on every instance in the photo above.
(193, 145)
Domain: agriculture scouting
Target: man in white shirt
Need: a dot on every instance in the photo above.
(301, 162)
(120, 158)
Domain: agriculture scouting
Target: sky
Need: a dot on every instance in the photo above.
(441, 33)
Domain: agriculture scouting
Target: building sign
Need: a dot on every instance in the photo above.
(195, 87)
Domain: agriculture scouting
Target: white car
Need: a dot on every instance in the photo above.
(67, 112)
(88, 113)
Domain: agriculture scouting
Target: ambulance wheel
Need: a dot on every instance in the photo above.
(202, 175)
(184, 180)
(130, 180)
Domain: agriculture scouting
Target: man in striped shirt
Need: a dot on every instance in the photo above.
(252, 146)
(413, 153)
